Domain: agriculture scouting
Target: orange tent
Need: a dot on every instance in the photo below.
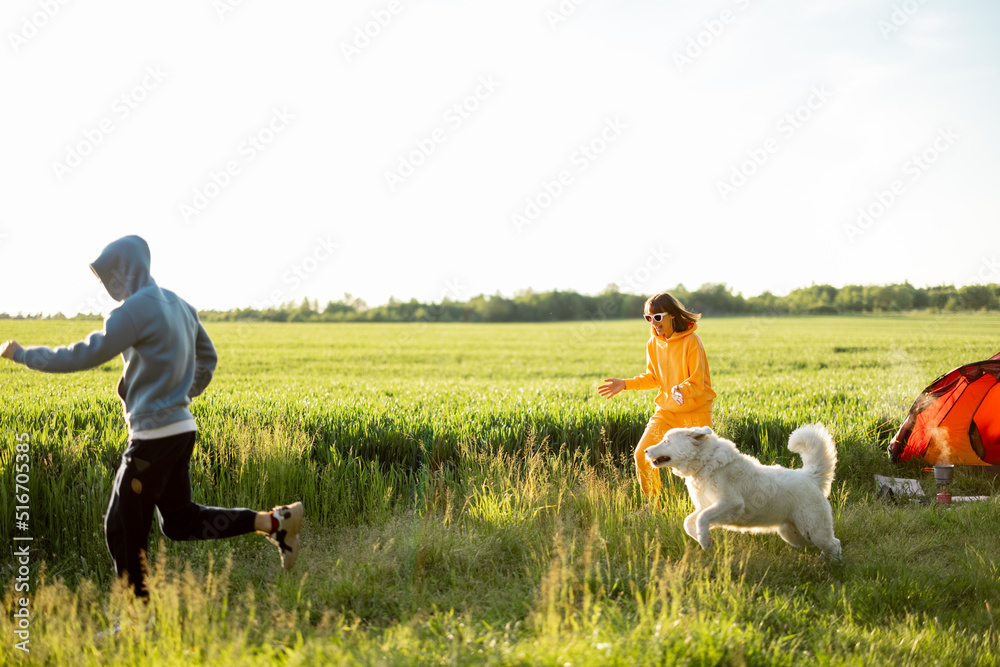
(956, 419)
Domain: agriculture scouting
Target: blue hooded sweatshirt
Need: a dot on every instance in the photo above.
(169, 358)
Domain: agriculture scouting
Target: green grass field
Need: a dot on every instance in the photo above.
(470, 500)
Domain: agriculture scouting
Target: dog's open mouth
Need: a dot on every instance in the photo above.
(661, 461)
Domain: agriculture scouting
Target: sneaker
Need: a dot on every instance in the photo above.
(286, 537)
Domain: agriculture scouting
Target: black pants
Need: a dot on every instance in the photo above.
(155, 473)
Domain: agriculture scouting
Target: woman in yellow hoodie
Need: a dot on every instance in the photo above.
(675, 364)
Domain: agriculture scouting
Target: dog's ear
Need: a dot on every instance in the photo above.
(700, 434)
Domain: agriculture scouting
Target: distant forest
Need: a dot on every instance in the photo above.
(529, 306)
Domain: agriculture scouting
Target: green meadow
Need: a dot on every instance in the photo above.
(471, 499)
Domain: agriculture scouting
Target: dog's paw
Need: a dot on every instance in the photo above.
(706, 543)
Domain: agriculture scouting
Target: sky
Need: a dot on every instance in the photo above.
(430, 149)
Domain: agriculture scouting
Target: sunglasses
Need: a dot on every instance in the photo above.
(655, 318)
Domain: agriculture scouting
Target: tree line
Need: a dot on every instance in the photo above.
(612, 303)
(709, 299)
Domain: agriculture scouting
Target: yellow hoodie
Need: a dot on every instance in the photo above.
(676, 361)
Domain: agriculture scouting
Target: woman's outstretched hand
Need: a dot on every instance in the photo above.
(613, 386)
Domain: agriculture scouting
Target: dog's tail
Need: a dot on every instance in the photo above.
(818, 451)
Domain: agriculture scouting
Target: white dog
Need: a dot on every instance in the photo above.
(735, 491)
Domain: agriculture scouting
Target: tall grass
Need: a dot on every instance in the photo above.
(470, 498)
(540, 561)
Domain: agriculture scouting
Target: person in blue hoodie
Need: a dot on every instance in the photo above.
(169, 359)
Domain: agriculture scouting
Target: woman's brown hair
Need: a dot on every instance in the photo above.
(664, 302)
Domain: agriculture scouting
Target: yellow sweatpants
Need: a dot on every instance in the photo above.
(661, 422)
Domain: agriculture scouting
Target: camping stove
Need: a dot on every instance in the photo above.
(943, 475)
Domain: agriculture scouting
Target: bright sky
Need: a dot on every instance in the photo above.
(429, 148)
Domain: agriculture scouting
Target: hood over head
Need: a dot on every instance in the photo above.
(123, 267)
